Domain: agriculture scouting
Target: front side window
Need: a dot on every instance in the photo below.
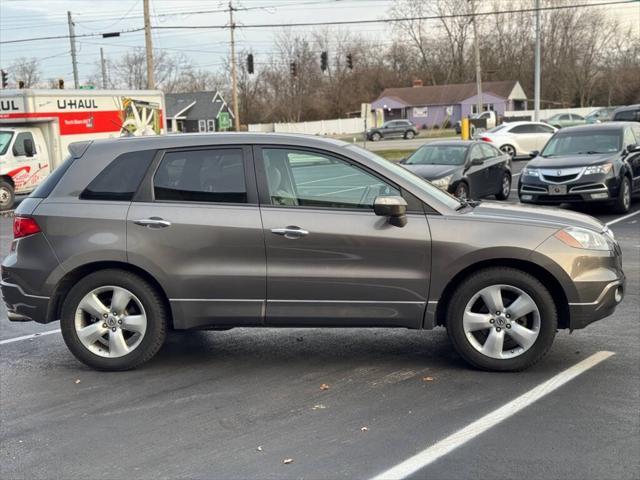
(438, 155)
(121, 178)
(629, 138)
(523, 129)
(544, 129)
(18, 146)
(488, 151)
(215, 175)
(310, 179)
(583, 143)
(5, 140)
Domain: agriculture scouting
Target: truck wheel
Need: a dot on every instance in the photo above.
(501, 319)
(113, 320)
(7, 195)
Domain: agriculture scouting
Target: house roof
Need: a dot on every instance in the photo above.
(195, 105)
(451, 94)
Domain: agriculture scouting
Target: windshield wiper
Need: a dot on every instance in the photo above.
(590, 152)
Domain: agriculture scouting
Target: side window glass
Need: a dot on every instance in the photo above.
(215, 175)
(310, 179)
(522, 129)
(476, 153)
(18, 145)
(488, 151)
(121, 178)
(636, 132)
(629, 138)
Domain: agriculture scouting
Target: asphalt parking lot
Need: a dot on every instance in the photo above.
(238, 403)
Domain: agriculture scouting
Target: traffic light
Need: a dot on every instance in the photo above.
(250, 63)
(5, 79)
(294, 69)
(323, 61)
(61, 84)
(20, 83)
(349, 61)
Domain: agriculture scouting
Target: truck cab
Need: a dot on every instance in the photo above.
(24, 162)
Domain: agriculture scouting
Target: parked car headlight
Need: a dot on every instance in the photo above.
(530, 172)
(582, 238)
(442, 182)
(594, 169)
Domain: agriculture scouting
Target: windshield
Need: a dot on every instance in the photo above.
(5, 140)
(438, 155)
(583, 143)
(440, 195)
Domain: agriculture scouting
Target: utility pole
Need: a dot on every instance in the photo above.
(536, 94)
(151, 84)
(477, 54)
(103, 68)
(74, 60)
(234, 73)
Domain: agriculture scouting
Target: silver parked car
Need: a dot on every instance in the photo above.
(132, 237)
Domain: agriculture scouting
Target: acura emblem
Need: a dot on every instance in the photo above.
(559, 172)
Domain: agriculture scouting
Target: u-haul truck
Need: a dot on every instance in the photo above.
(37, 126)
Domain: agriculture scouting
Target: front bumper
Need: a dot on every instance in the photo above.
(22, 307)
(585, 189)
(584, 313)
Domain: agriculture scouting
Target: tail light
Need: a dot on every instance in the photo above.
(23, 226)
(485, 139)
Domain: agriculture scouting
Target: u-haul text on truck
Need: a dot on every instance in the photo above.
(37, 126)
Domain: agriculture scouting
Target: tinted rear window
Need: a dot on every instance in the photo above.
(46, 187)
(121, 178)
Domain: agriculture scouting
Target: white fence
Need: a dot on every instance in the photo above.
(549, 112)
(338, 126)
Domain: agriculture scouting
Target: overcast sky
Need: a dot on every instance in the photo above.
(206, 48)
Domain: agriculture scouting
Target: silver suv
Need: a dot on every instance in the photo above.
(132, 237)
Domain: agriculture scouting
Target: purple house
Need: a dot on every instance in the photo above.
(437, 105)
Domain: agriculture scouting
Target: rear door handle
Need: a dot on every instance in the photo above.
(153, 222)
(290, 232)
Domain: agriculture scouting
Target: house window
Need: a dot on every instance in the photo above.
(211, 126)
(487, 107)
(180, 126)
(202, 125)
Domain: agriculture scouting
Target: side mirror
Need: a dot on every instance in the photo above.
(534, 153)
(633, 148)
(29, 149)
(477, 161)
(393, 207)
(403, 160)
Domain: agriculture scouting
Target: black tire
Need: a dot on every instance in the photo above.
(501, 276)
(7, 195)
(154, 306)
(462, 191)
(409, 135)
(375, 136)
(505, 191)
(509, 150)
(623, 201)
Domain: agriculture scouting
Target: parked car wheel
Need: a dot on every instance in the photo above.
(623, 202)
(505, 188)
(462, 191)
(509, 150)
(113, 320)
(501, 319)
(376, 136)
(409, 135)
(7, 195)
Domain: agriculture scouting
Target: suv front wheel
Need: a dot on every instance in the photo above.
(501, 319)
(113, 320)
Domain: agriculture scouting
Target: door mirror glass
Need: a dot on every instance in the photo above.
(29, 149)
(393, 207)
(477, 161)
(633, 148)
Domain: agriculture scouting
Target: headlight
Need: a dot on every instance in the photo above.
(582, 238)
(530, 172)
(442, 182)
(594, 169)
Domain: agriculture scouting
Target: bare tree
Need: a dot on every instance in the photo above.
(26, 70)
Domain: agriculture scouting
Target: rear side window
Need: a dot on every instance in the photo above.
(628, 115)
(121, 178)
(46, 187)
(215, 175)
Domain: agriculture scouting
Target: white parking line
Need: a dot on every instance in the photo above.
(468, 433)
(27, 337)
(622, 218)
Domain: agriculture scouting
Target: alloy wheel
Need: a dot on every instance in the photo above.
(5, 197)
(506, 185)
(626, 195)
(501, 321)
(509, 150)
(110, 321)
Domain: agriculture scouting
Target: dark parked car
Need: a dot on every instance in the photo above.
(467, 169)
(131, 237)
(393, 129)
(593, 163)
(630, 113)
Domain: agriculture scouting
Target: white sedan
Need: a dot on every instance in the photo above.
(518, 139)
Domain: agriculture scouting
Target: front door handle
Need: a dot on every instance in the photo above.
(291, 232)
(153, 222)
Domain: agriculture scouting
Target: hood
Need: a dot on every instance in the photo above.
(433, 172)
(530, 215)
(564, 161)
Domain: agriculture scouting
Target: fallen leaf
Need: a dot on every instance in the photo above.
(287, 461)
(259, 448)
(364, 429)
(428, 379)
(77, 380)
(319, 406)
(324, 386)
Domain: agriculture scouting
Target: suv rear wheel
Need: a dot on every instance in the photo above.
(409, 135)
(113, 320)
(501, 319)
